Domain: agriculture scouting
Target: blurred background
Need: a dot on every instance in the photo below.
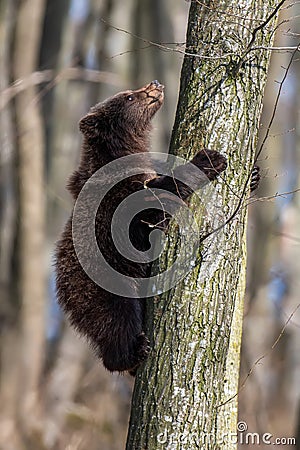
(57, 58)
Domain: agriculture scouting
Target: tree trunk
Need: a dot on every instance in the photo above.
(32, 214)
(185, 394)
(8, 201)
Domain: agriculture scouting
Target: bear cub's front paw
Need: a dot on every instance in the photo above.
(212, 163)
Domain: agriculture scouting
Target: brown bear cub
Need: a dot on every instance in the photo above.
(117, 127)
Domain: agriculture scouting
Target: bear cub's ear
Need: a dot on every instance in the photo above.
(89, 125)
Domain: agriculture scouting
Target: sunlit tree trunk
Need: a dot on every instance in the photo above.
(8, 229)
(185, 395)
(32, 214)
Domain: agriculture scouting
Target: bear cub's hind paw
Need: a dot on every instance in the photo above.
(142, 352)
(122, 356)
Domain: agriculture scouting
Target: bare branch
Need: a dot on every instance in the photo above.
(46, 76)
(276, 103)
(165, 47)
(262, 25)
(287, 236)
(242, 195)
(176, 49)
(272, 197)
(275, 343)
(277, 49)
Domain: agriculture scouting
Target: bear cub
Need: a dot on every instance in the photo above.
(117, 127)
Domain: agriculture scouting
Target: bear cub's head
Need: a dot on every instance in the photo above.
(126, 112)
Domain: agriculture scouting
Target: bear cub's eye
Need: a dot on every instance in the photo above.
(130, 98)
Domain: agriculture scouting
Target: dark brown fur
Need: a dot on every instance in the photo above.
(117, 127)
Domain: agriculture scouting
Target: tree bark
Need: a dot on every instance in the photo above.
(185, 396)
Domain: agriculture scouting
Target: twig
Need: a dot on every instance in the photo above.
(241, 198)
(272, 197)
(276, 104)
(261, 26)
(262, 357)
(165, 47)
(276, 49)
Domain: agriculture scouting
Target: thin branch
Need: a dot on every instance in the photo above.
(46, 76)
(254, 34)
(262, 356)
(272, 197)
(241, 198)
(276, 49)
(290, 5)
(276, 103)
(165, 47)
(261, 26)
(287, 236)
